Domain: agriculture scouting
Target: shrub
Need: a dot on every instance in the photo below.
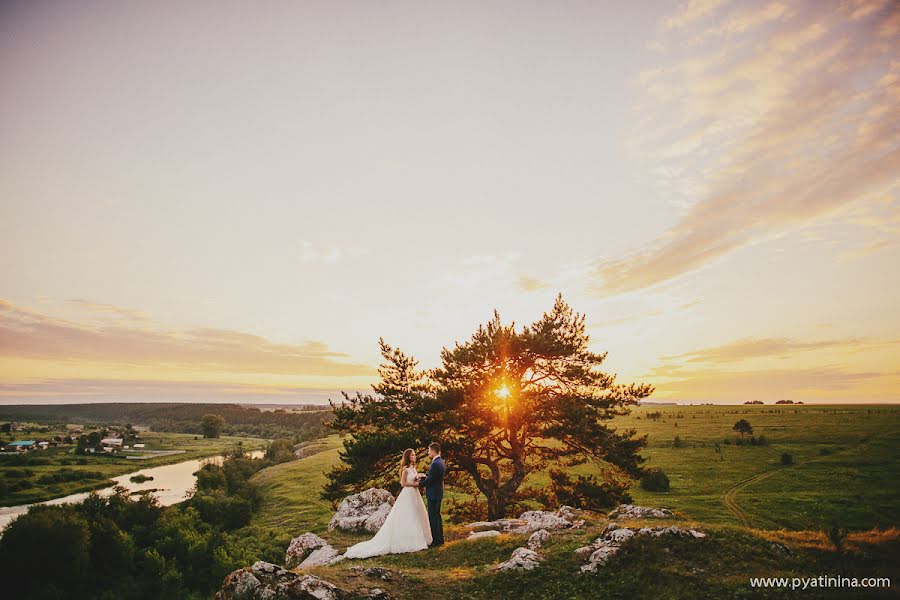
(677, 442)
(655, 480)
(824, 451)
(787, 459)
(585, 492)
(762, 441)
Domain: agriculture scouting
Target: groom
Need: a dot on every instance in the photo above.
(433, 483)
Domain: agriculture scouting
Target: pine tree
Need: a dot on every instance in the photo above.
(503, 405)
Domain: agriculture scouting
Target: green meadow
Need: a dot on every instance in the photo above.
(843, 463)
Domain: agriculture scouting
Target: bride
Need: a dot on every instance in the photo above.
(406, 527)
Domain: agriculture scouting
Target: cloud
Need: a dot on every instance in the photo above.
(26, 333)
(530, 284)
(749, 348)
(712, 385)
(78, 390)
(691, 11)
(770, 128)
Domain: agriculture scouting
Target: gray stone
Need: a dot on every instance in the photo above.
(301, 547)
(543, 519)
(363, 512)
(632, 511)
(239, 585)
(538, 539)
(521, 559)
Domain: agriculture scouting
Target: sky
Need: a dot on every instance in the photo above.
(231, 201)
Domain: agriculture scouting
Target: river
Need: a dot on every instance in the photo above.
(172, 483)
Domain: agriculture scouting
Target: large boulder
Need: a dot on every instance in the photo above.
(521, 559)
(631, 511)
(363, 512)
(309, 550)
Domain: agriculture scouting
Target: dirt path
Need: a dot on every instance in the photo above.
(728, 498)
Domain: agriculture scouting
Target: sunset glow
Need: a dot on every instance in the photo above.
(713, 183)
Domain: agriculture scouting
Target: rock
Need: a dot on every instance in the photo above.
(268, 581)
(310, 587)
(617, 536)
(268, 573)
(239, 585)
(599, 557)
(301, 547)
(607, 545)
(378, 594)
(378, 573)
(522, 558)
(780, 548)
(632, 511)
(567, 513)
(543, 519)
(483, 534)
(363, 512)
(538, 539)
(324, 555)
(579, 524)
(501, 525)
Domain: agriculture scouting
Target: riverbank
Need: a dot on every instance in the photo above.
(169, 484)
(39, 467)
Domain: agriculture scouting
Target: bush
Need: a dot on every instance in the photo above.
(655, 480)
(762, 441)
(677, 442)
(585, 492)
(824, 451)
(787, 459)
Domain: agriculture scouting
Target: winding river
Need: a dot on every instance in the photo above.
(172, 484)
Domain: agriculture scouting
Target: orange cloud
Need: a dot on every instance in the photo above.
(748, 348)
(27, 334)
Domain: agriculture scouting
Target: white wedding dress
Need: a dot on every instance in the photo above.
(405, 529)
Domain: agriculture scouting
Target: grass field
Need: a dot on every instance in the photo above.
(40, 463)
(844, 461)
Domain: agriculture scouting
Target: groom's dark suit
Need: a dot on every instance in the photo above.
(434, 493)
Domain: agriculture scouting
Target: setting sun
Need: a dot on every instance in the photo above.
(503, 392)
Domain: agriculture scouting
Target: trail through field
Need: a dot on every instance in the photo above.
(728, 498)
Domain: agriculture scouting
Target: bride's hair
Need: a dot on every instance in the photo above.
(405, 461)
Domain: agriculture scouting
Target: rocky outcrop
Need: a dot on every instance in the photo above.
(532, 520)
(309, 550)
(267, 581)
(610, 541)
(363, 512)
(632, 511)
(544, 519)
(521, 559)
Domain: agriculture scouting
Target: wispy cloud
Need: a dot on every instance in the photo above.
(714, 385)
(749, 348)
(26, 333)
(78, 390)
(775, 119)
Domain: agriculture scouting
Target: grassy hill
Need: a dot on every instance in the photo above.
(742, 496)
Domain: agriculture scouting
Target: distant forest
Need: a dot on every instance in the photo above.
(178, 417)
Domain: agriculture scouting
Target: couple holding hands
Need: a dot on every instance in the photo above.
(408, 527)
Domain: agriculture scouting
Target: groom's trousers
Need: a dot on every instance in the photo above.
(435, 521)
